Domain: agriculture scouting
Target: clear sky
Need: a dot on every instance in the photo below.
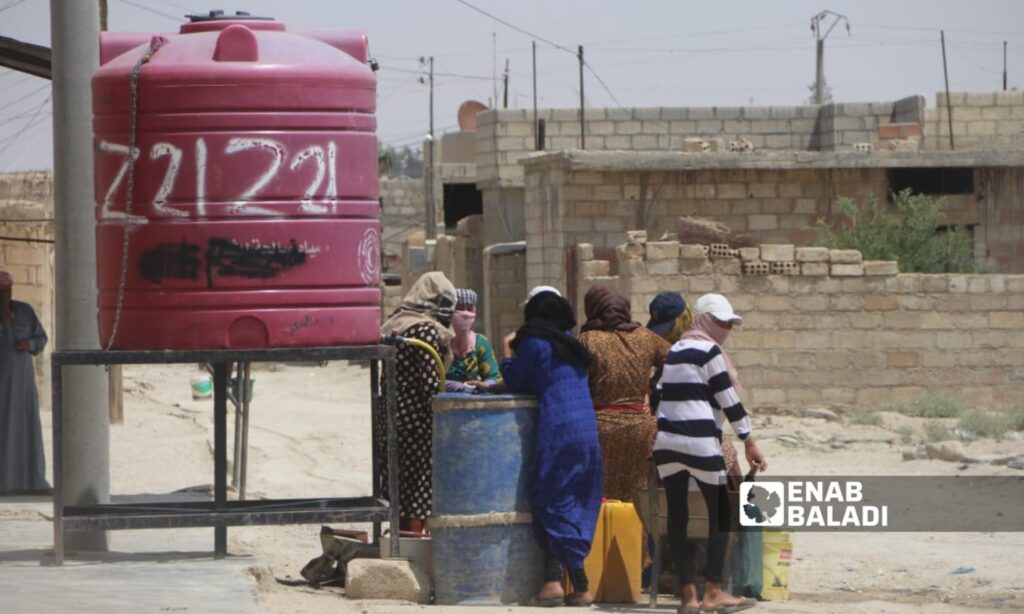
(647, 52)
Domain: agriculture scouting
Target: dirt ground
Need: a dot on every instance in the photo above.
(310, 436)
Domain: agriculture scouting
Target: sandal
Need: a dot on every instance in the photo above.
(545, 602)
(746, 604)
(688, 609)
(578, 600)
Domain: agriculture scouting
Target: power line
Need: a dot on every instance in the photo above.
(31, 122)
(176, 5)
(436, 74)
(150, 9)
(515, 27)
(28, 95)
(10, 5)
(603, 84)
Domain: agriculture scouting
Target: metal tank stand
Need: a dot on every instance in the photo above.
(221, 513)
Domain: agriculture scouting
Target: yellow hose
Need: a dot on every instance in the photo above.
(433, 354)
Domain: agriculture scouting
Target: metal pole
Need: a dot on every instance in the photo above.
(431, 203)
(583, 136)
(1004, 66)
(504, 93)
(819, 72)
(375, 423)
(75, 32)
(949, 101)
(246, 401)
(394, 475)
(536, 142)
(220, 454)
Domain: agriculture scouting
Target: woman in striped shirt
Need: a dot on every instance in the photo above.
(698, 392)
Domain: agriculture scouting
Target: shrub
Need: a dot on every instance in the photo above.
(1015, 416)
(937, 431)
(909, 233)
(862, 416)
(983, 425)
(930, 407)
(906, 434)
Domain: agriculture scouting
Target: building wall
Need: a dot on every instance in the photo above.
(26, 208)
(504, 289)
(981, 120)
(565, 207)
(402, 211)
(839, 331)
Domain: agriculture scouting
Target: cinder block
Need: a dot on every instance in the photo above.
(881, 267)
(663, 267)
(726, 266)
(778, 253)
(784, 268)
(585, 251)
(756, 267)
(818, 269)
(812, 254)
(693, 266)
(847, 270)
(693, 252)
(630, 251)
(595, 268)
(636, 237)
(763, 222)
(748, 254)
(721, 250)
(387, 579)
(662, 250)
(845, 256)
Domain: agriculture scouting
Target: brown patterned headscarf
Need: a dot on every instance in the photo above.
(607, 309)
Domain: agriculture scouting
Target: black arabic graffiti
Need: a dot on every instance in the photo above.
(171, 261)
(224, 258)
(227, 258)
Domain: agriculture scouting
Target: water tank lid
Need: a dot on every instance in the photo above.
(219, 14)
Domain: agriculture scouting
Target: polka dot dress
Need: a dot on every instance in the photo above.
(417, 384)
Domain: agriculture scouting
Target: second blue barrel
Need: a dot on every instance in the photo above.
(484, 548)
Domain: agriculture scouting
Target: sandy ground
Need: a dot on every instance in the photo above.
(310, 436)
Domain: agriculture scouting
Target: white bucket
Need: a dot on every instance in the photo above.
(202, 387)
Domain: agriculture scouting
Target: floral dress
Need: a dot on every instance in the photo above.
(418, 382)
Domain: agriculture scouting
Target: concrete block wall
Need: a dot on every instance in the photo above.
(401, 214)
(504, 289)
(829, 328)
(564, 207)
(981, 120)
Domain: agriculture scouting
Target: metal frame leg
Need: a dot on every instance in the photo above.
(374, 425)
(236, 467)
(244, 401)
(220, 458)
(57, 372)
(390, 366)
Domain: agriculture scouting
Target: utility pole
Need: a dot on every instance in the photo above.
(504, 94)
(494, 65)
(945, 76)
(429, 177)
(1004, 66)
(583, 135)
(536, 142)
(819, 49)
(75, 35)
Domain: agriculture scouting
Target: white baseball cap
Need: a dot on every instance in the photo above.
(538, 290)
(719, 308)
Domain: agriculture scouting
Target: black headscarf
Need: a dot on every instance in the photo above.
(550, 317)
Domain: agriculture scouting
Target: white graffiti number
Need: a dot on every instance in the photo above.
(238, 144)
(160, 150)
(326, 168)
(317, 152)
(108, 198)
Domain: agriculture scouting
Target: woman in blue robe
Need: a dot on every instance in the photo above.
(566, 493)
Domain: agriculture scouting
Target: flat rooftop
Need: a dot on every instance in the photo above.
(610, 160)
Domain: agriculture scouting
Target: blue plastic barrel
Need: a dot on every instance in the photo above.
(484, 549)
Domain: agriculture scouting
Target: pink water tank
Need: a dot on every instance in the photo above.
(254, 219)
